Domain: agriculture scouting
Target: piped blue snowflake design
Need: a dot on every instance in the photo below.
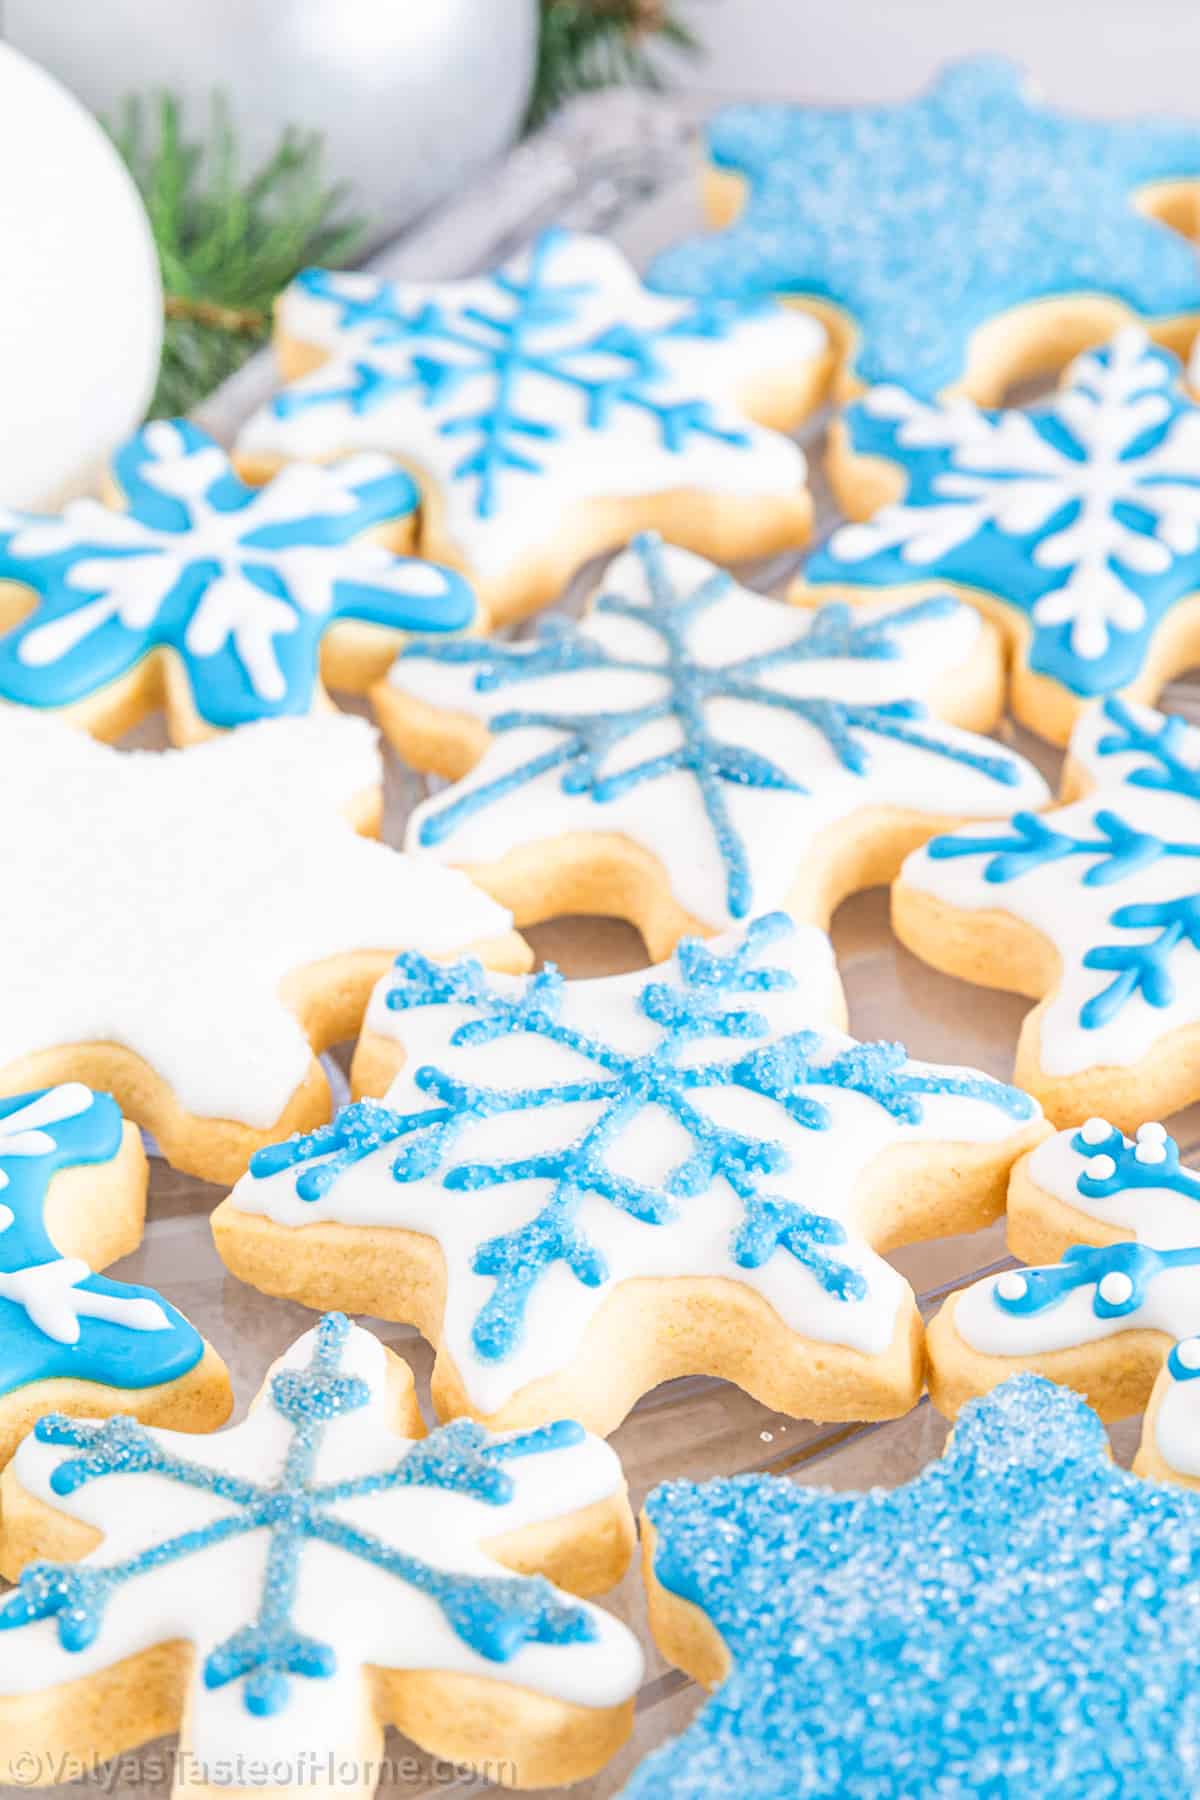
(59, 1321)
(925, 220)
(1098, 846)
(240, 584)
(296, 1506)
(1018, 1619)
(710, 1038)
(1081, 517)
(600, 730)
(556, 374)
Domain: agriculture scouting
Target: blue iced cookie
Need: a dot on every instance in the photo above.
(929, 231)
(225, 602)
(1018, 1620)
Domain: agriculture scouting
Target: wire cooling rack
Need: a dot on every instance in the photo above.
(623, 164)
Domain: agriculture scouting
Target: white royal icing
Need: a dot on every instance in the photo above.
(159, 900)
(819, 1169)
(930, 767)
(367, 1617)
(605, 402)
(1165, 1218)
(1148, 805)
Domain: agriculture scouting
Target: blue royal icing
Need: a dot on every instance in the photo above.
(239, 583)
(518, 340)
(1082, 516)
(705, 995)
(925, 220)
(1113, 850)
(692, 682)
(1016, 1620)
(58, 1321)
(494, 1616)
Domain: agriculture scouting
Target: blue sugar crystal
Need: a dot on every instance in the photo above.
(1018, 1621)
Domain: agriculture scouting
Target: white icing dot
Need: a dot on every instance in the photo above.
(6, 1212)
(1151, 1143)
(1100, 1167)
(1188, 1353)
(1094, 1131)
(1152, 1129)
(1116, 1287)
(1011, 1286)
(1150, 1153)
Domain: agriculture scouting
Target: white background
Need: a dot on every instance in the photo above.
(1103, 56)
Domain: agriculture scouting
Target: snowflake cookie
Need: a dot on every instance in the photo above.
(580, 1189)
(282, 1591)
(1076, 525)
(551, 408)
(958, 241)
(693, 754)
(214, 598)
(1096, 906)
(1118, 1221)
(72, 1198)
(182, 929)
(1018, 1620)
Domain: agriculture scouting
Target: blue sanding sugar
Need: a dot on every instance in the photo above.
(1022, 1619)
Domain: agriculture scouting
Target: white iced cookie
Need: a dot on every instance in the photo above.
(580, 1189)
(551, 408)
(282, 1591)
(693, 754)
(184, 930)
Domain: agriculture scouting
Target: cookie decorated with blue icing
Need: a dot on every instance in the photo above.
(1093, 910)
(280, 1592)
(222, 602)
(1075, 524)
(72, 1199)
(579, 1189)
(550, 408)
(957, 241)
(1115, 1223)
(692, 754)
(1018, 1619)
(186, 930)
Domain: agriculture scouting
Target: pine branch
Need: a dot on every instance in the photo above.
(590, 44)
(227, 244)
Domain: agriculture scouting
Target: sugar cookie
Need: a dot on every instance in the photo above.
(1170, 1446)
(184, 929)
(72, 1199)
(550, 409)
(1096, 907)
(280, 1592)
(693, 753)
(1017, 1620)
(577, 1190)
(961, 241)
(1121, 1219)
(1074, 525)
(221, 602)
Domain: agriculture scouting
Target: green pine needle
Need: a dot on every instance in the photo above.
(591, 44)
(227, 245)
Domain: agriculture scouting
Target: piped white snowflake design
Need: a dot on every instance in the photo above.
(303, 1549)
(696, 1120)
(240, 583)
(718, 730)
(160, 902)
(554, 380)
(1082, 515)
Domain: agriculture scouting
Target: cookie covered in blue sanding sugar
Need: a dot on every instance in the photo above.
(923, 226)
(1019, 1620)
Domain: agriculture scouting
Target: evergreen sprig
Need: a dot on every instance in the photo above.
(589, 44)
(227, 243)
